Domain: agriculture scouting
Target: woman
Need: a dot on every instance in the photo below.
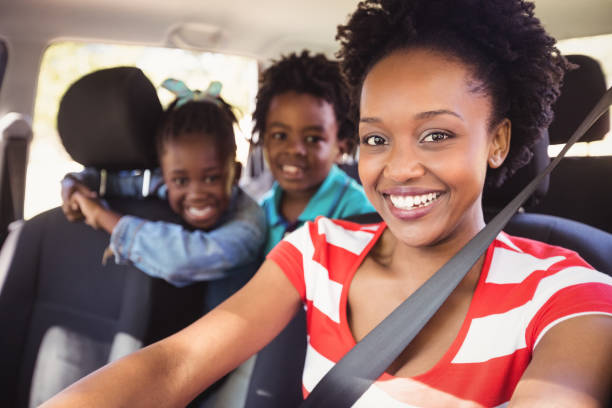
(450, 94)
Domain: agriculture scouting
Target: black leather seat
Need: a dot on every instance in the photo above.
(62, 313)
(15, 136)
(578, 189)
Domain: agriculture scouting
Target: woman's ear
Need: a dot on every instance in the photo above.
(344, 148)
(500, 145)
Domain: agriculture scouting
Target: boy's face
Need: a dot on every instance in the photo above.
(199, 179)
(300, 141)
(425, 144)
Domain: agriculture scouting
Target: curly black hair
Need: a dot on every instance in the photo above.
(501, 40)
(213, 119)
(303, 73)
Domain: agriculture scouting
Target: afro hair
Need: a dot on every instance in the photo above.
(507, 48)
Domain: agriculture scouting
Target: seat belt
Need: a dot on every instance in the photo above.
(344, 384)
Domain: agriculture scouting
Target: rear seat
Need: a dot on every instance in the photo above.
(62, 313)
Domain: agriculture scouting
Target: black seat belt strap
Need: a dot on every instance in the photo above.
(344, 384)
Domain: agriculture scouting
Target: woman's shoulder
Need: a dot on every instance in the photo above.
(541, 266)
(324, 232)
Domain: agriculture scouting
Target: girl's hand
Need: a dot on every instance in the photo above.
(96, 214)
(70, 206)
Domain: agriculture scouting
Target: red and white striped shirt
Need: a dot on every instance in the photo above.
(525, 288)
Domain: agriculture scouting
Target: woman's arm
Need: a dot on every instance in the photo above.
(172, 372)
(571, 366)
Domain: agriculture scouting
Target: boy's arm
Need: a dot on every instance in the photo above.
(571, 366)
(172, 372)
(180, 256)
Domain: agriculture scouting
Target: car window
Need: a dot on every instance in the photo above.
(3, 60)
(600, 48)
(65, 62)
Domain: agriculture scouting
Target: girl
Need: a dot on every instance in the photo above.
(224, 228)
(442, 87)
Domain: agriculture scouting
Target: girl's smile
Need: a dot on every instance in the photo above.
(426, 142)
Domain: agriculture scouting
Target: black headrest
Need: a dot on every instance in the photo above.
(582, 88)
(108, 119)
(496, 198)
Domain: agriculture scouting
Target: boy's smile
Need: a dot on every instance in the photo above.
(300, 141)
(425, 143)
(199, 180)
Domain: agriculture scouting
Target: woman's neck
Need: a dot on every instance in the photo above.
(418, 264)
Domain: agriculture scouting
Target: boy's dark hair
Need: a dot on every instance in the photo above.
(306, 74)
(509, 51)
(212, 118)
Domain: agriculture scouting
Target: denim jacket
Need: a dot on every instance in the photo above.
(226, 256)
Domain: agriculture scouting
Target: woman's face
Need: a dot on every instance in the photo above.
(425, 144)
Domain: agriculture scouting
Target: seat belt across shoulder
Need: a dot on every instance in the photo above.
(347, 380)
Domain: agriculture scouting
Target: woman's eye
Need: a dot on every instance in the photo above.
(374, 140)
(435, 137)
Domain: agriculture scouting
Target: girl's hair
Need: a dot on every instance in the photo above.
(306, 74)
(514, 60)
(212, 118)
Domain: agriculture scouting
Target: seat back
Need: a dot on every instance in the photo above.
(575, 190)
(15, 137)
(63, 313)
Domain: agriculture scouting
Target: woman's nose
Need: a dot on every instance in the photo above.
(404, 163)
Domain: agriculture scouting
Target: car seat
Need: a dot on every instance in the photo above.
(578, 189)
(63, 313)
(15, 136)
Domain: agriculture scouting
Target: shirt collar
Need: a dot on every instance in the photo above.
(316, 206)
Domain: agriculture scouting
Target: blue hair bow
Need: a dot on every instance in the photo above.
(184, 94)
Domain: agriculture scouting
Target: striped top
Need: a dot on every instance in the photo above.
(525, 288)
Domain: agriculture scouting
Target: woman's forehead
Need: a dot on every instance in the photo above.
(419, 81)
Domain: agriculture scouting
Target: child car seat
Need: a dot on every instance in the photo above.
(62, 313)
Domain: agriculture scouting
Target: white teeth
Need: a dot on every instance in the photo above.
(199, 212)
(292, 170)
(410, 202)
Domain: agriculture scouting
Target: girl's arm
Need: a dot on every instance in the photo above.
(180, 256)
(172, 372)
(571, 366)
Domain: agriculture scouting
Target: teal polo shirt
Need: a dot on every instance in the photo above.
(338, 196)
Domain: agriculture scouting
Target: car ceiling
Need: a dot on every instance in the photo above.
(262, 28)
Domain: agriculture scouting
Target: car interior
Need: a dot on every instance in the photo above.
(65, 313)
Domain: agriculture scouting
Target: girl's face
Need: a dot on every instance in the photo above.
(425, 144)
(199, 179)
(300, 141)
